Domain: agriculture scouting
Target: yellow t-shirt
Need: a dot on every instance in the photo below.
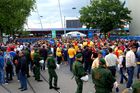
(71, 52)
(84, 43)
(76, 48)
(120, 52)
(58, 52)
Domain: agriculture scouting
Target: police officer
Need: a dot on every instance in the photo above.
(78, 72)
(37, 65)
(27, 55)
(51, 64)
(102, 78)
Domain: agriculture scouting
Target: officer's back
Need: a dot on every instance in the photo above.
(102, 78)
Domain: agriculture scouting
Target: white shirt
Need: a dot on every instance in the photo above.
(120, 61)
(130, 59)
(52, 49)
(111, 59)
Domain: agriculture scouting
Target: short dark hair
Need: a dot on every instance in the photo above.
(110, 50)
(43, 46)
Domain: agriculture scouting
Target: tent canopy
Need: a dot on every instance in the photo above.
(74, 34)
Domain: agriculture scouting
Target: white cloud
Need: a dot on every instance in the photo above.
(49, 10)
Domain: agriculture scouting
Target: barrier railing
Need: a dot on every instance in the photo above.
(125, 37)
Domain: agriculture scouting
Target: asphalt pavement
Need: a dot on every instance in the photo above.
(65, 82)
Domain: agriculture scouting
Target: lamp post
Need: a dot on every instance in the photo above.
(65, 26)
(60, 13)
(74, 8)
(39, 17)
(90, 1)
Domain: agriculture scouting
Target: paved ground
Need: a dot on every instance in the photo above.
(65, 82)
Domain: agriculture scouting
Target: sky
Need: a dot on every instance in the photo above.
(49, 13)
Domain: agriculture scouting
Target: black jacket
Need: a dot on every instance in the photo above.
(22, 64)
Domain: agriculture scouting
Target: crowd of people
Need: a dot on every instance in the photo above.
(101, 58)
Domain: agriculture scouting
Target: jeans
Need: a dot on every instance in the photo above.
(23, 80)
(71, 60)
(9, 71)
(18, 75)
(138, 66)
(122, 75)
(44, 64)
(113, 70)
(59, 59)
(87, 66)
(130, 71)
(2, 79)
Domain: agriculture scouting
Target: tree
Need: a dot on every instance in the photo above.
(105, 15)
(13, 14)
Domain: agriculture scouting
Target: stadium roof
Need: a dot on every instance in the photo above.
(59, 29)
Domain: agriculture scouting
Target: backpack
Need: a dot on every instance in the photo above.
(8, 62)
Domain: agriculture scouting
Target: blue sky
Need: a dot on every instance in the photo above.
(49, 10)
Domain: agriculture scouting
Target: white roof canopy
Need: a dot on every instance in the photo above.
(74, 34)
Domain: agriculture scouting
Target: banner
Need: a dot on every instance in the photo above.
(90, 34)
(53, 34)
(78, 36)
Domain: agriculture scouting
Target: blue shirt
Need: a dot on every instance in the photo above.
(12, 53)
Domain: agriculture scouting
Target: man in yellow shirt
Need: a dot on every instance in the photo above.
(71, 53)
(59, 55)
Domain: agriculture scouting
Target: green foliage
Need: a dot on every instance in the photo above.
(13, 14)
(105, 15)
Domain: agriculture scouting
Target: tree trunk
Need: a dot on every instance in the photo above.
(1, 39)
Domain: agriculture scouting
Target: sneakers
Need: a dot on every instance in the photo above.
(51, 87)
(117, 89)
(39, 80)
(24, 89)
(56, 88)
(6, 83)
(28, 76)
(130, 88)
(20, 88)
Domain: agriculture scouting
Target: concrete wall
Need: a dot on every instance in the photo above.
(134, 6)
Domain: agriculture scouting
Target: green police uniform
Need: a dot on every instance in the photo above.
(136, 87)
(78, 72)
(51, 70)
(28, 58)
(103, 79)
(37, 66)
